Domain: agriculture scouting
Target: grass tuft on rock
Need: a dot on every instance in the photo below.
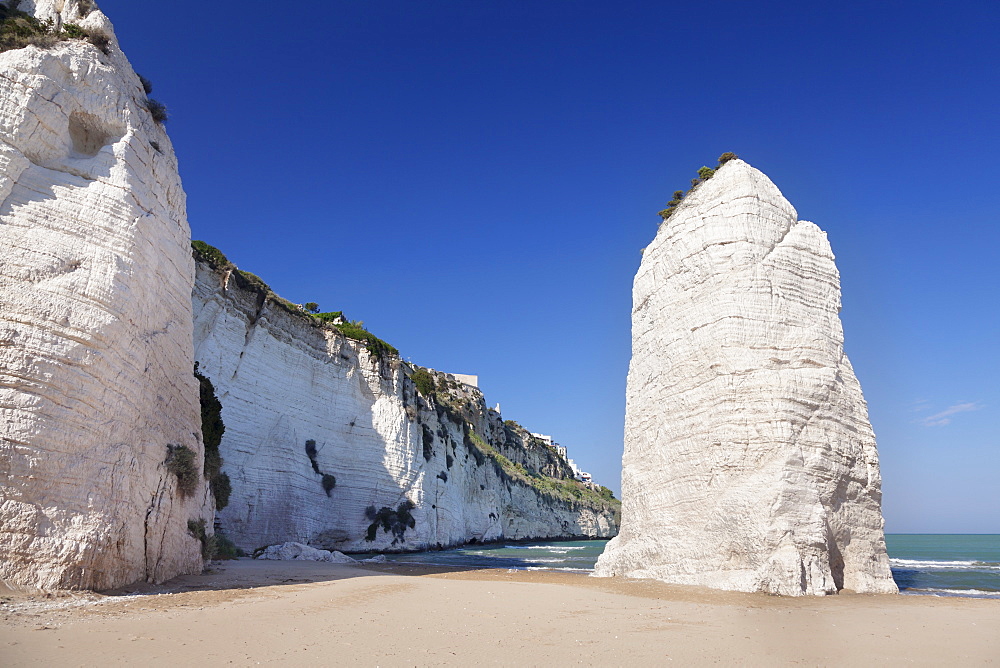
(181, 462)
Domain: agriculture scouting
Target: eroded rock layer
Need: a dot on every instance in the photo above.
(303, 404)
(95, 321)
(749, 460)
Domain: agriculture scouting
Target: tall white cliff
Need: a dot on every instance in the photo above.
(749, 462)
(284, 381)
(95, 321)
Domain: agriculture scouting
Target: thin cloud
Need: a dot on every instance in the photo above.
(944, 417)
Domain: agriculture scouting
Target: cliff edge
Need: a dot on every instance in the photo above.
(334, 441)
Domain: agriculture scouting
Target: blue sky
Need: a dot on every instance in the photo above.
(474, 181)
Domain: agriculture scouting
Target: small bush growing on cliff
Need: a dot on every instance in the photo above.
(704, 174)
(311, 307)
(392, 521)
(222, 489)
(147, 85)
(424, 382)
(181, 462)
(329, 482)
(157, 110)
(197, 529)
(212, 429)
(20, 29)
(311, 454)
(428, 442)
(605, 493)
(330, 316)
(225, 548)
(210, 545)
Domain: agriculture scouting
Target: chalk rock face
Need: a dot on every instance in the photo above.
(95, 322)
(302, 402)
(749, 460)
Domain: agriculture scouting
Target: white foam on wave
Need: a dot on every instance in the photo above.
(944, 565)
(561, 548)
(934, 591)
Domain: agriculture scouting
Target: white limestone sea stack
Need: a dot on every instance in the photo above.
(96, 354)
(749, 460)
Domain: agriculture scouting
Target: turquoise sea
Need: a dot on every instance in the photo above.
(929, 564)
(946, 564)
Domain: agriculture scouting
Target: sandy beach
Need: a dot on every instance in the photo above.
(304, 613)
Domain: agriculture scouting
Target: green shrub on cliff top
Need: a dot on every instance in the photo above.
(704, 174)
(248, 281)
(330, 316)
(376, 346)
(210, 255)
(20, 29)
(424, 382)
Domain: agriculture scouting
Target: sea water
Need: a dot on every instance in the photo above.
(930, 564)
(577, 556)
(946, 564)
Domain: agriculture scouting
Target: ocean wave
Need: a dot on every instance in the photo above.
(928, 564)
(566, 569)
(561, 548)
(968, 593)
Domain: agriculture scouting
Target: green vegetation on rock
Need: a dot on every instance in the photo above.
(212, 429)
(212, 256)
(704, 174)
(428, 438)
(20, 29)
(376, 346)
(181, 462)
(215, 546)
(157, 110)
(567, 490)
(328, 482)
(391, 521)
(424, 381)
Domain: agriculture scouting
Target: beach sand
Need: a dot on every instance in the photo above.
(314, 614)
